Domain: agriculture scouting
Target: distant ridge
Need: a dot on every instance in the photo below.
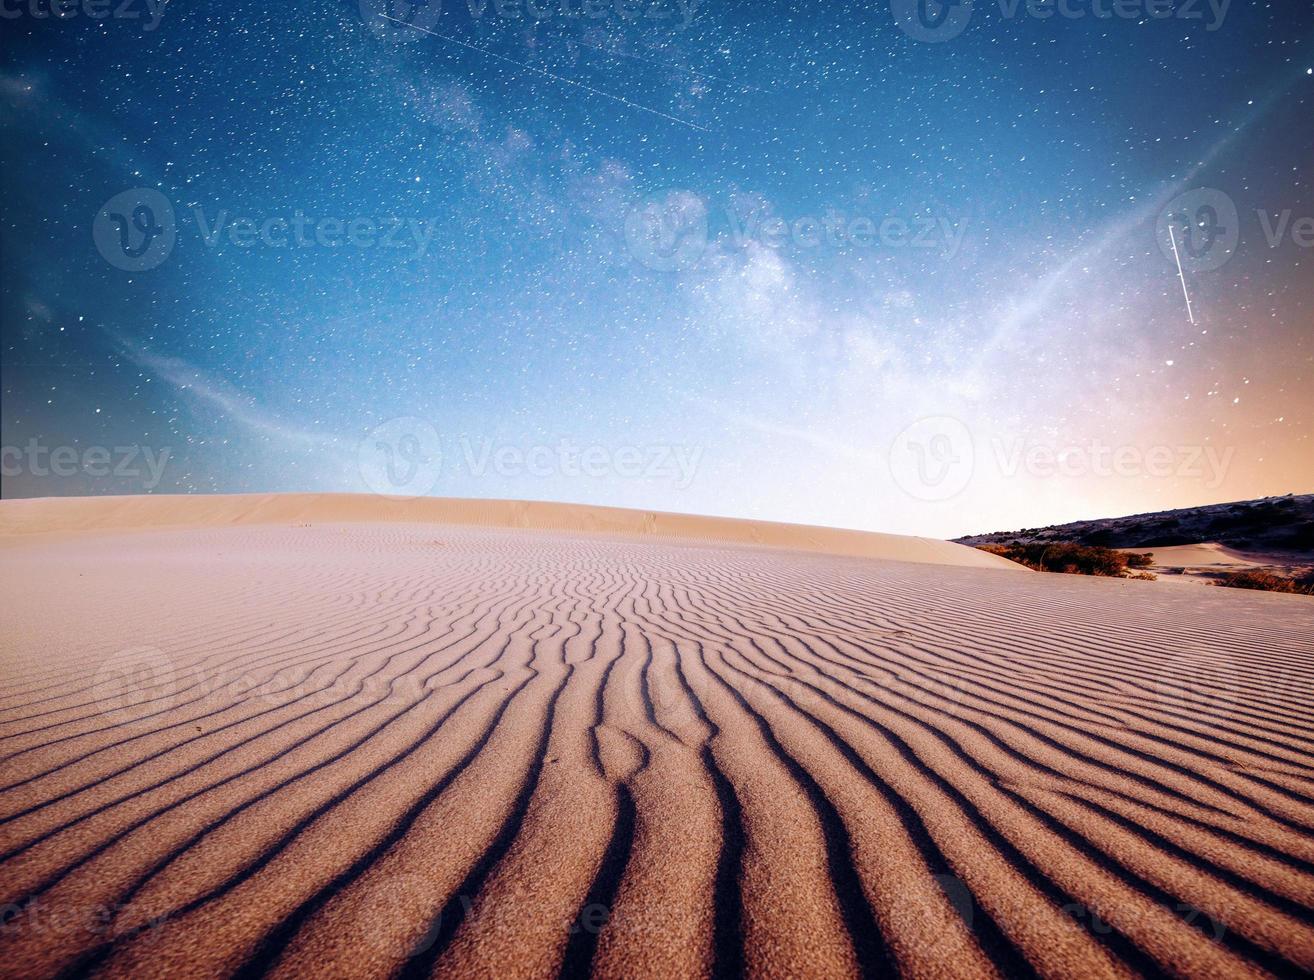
(1283, 525)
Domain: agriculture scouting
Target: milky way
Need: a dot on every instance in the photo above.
(806, 262)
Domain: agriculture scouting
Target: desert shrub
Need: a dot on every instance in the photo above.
(1064, 556)
(1265, 582)
(1141, 560)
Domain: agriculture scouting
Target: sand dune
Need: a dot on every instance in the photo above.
(57, 515)
(1208, 561)
(404, 747)
(1207, 554)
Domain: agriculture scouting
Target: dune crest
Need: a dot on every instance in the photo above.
(67, 514)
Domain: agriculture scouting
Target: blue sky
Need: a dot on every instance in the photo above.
(776, 261)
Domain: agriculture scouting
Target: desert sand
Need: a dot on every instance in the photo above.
(1207, 554)
(342, 736)
(1206, 562)
(48, 516)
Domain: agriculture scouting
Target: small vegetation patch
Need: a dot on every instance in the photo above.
(1265, 582)
(1070, 557)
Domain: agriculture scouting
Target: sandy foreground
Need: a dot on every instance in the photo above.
(340, 736)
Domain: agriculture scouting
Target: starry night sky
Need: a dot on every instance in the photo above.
(926, 383)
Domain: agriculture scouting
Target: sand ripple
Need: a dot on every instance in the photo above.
(403, 750)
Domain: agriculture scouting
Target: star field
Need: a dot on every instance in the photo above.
(895, 244)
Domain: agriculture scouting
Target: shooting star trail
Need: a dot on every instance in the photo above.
(547, 74)
(1180, 275)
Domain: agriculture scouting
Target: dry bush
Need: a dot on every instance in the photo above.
(1065, 556)
(1265, 582)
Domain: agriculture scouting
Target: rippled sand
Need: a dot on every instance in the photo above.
(396, 748)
